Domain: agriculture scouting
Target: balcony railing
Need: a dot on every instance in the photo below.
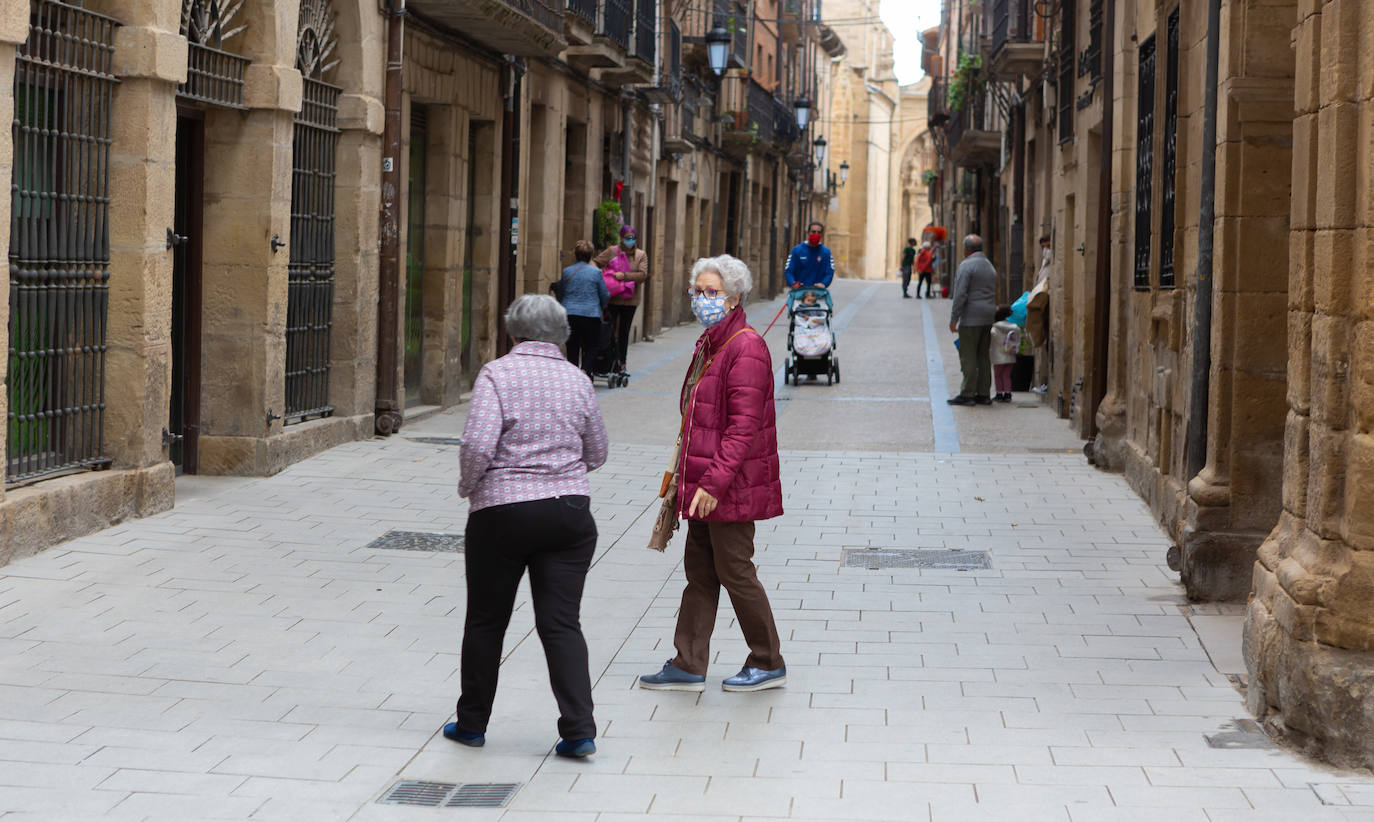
(674, 62)
(1009, 22)
(739, 23)
(646, 30)
(544, 12)
(1014, 48)
(584, 10)
(973, 139)
(616, 22)
(937, 111)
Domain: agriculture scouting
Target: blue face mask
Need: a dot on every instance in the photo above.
(709, 310)
(629, 242)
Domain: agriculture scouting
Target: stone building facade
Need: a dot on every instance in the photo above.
(864, 103)
(1204, 172)
(198, 280)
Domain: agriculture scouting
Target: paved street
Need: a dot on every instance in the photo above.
(247, 656)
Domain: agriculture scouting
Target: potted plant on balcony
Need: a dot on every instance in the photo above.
(967, 81)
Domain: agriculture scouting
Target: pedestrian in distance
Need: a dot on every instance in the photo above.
(908, 262)
(533, 431)
(810, 263)
(925, 269)
(1006, 342)
(728, 479)
(584, 296)
(628, 265)
(971, 317)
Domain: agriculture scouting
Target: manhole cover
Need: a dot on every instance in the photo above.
(1335, 793)
(448, 795)
(418, 541)
(1241, 733)
(437, 440)
(878, 558)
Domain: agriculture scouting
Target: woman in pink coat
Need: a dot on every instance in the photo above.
(728, 479)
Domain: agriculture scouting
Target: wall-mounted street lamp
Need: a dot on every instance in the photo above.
(802, 108)
(717, 48)
(819, 145)
(844, 172)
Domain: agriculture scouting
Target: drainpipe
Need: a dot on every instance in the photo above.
(387, 414)
(1202, 301)
(1102, 316)
(627, 147)
(510, 148)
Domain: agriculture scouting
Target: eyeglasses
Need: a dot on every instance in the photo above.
(704, 292)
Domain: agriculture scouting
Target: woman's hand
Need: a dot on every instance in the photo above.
(619, 275)
(702, 503)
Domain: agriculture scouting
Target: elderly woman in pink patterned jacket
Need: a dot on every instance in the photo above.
(533, 431)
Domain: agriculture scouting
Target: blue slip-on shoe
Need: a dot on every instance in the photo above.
(575, 748)
(755, 679)
(452, 731)
(672, 678)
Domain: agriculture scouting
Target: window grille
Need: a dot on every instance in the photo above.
(1067, 25)
(213, 75)
(1144, 162)
(310, 289)
(1166, 208)
(59, 252)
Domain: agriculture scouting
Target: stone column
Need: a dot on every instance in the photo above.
(150, 59)
(1309, 631)
(247, 202)
(1233, 501)
(357, 196)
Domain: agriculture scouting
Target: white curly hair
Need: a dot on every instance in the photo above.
(733, 272)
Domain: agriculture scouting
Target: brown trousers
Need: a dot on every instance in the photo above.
(721, 554)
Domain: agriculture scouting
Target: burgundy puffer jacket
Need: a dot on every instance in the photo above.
(730, 440)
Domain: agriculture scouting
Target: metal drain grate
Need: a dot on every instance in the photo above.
(875, 559)
(436, 440)
(448, 795)
(414, 792)
(483, 795)
(418, 541)
(1239, 733)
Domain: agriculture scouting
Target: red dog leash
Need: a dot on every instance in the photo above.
(775, 317)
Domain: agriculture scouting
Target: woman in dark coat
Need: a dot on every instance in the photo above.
(728, 480)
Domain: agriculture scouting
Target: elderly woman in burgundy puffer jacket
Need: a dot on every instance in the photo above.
(728, 479)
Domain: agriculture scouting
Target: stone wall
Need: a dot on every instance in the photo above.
(1309, 631)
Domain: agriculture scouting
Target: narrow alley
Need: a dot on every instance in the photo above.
(253, 654)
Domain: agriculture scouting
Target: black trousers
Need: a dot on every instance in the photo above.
(585, 333)
(924, 279)
(554, 539)
(623, 316)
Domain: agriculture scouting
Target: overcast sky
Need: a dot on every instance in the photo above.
(906, 19)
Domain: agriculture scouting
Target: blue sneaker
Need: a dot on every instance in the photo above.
(575, 748)
(755, 679)
(452, 731)
(672, 678)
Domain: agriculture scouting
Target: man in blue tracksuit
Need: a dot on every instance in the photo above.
(810, 263)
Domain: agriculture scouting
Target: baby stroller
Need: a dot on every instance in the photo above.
(810, 340)
(608, 365)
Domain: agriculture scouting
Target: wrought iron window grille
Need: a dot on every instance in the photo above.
(1144, 162)
(59, 250)
(310, 271)
(1064, 87)
(1170, 169)
(214, 75)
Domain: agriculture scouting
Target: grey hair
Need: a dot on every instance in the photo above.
(538, 318)
(973, 243)
(733, 273)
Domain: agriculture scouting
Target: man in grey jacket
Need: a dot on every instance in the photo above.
(975, 307)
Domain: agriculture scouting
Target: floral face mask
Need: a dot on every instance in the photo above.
(709, 310)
